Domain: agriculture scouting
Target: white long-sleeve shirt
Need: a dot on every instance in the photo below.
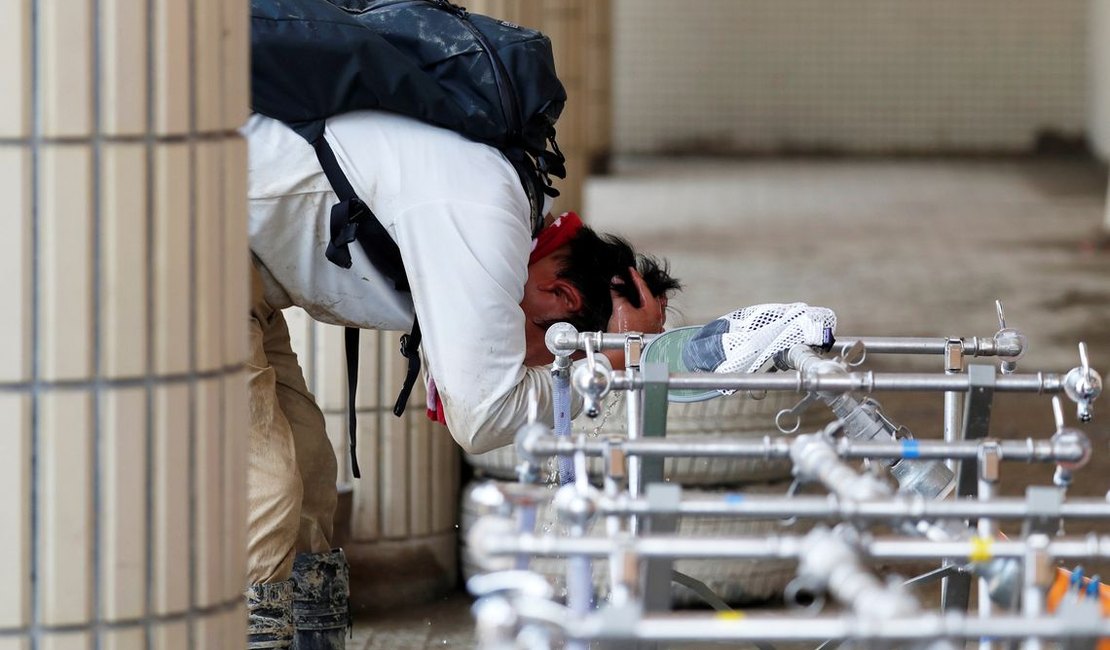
(461, 220)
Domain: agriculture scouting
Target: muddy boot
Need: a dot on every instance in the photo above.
(270, 616)
(320, 592)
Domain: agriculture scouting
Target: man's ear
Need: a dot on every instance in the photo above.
(565, 294)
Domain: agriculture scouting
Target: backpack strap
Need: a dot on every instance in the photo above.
(350, 344)
(410, 343)
(530, 181)
(353, 220)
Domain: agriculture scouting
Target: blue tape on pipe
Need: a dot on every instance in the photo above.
(734, 498)
(910, 449)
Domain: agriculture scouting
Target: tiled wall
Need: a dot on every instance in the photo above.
(123, 254)
(851, 75)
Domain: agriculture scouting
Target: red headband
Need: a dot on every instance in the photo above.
(554, 236)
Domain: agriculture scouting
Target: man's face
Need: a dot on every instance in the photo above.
(547, 300)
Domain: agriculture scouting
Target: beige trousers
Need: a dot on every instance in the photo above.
(291, 473)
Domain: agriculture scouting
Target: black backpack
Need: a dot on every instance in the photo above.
(487, 79)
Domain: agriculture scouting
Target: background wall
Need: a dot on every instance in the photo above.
(850, 75)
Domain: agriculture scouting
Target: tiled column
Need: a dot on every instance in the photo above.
(398, 526)
(123, 255)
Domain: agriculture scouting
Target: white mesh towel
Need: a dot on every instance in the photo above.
(757, 333)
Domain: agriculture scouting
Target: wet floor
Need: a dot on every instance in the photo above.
(909, 248)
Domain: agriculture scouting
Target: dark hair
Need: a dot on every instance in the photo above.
(596, 264)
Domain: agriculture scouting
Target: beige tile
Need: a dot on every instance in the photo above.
(371, 392)
(15, 643)
(15, 535)
(336, 426)
(234, 392)
(393, 461)
(15, 69)
(208, 65)
(65, 508)
(235, 621)
(15, 264)
(123, 61)
(209, 261)
(446, 463)
(123, 496)
(171, 67)
(236, 251)
(123, 255)
(171, 636)
(420, 474)
(209, 497)
(123, 639)
(368, 519)
(66, 641)
(331, 373)
(171, 258)
(236, 64)
(65, 67)
(208, 631)
(65, 262)
(170, 547)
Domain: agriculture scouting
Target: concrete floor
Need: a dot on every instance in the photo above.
(908, 248)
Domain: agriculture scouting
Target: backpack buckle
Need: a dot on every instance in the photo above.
(347, 233)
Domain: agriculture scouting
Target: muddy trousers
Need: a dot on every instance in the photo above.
(291, 490)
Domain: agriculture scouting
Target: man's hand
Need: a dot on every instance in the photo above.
(648, 318)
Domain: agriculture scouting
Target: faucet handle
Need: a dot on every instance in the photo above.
(592, 381)
(1007, 338)
(1083, 385)
(1057, 413)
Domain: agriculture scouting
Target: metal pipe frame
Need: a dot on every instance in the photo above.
(977, 550)
(974, 346)
(1030, 450)
(868, 382)
(833, 508)
(613, 625)
(897, 508)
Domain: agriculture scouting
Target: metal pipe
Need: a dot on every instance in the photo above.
(788, 547)
(569, 342)
(634, 412)
(635, 430)
(953, 403)
(833, 508)
(952, 412)
(854, 381)
(1037, 575)
(832, 562)
(816, 460)
(615, 625)
(1028, 450)
(824, 507)
(973, 346)
(987, 526)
